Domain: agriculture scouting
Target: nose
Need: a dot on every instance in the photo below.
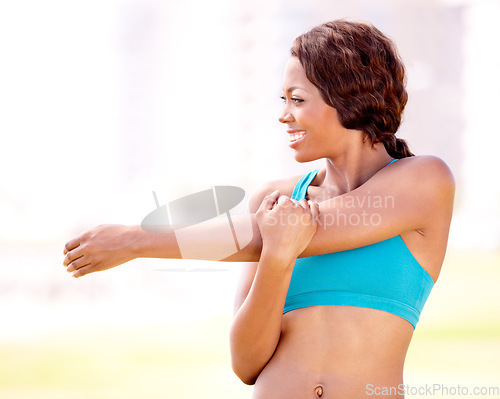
(286, 116)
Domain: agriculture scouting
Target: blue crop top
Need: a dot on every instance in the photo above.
(383, 276)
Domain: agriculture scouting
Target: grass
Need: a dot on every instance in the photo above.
(142, 362)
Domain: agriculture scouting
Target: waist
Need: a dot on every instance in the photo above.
(332, 337)
(338, 348)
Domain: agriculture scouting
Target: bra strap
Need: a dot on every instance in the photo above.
(300, 190)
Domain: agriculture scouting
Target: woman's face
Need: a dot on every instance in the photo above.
(313, 126)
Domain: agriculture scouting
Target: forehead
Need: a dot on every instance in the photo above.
(295, 76)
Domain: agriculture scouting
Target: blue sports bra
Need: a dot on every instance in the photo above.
(383, 276)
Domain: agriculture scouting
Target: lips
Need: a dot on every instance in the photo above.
(295, 137)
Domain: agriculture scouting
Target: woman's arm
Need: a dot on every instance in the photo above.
(108, 246)
(412, 194)
(256, 328)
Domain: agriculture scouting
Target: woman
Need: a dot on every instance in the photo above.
(344, 259)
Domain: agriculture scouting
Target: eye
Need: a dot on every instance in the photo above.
(295, 100)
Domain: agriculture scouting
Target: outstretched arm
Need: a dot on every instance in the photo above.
(108, 246)
(412, 194)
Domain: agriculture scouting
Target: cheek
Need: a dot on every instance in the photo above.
(323, 121)
(330, 119)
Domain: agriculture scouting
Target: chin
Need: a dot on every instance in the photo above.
(303, 158)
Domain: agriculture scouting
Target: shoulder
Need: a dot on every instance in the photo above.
(427, 176)
(427, 162)
(284, 186)
(429, 169)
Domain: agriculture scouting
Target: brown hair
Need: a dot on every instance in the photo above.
(359, 73)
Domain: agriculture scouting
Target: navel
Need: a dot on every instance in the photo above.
(318, 391)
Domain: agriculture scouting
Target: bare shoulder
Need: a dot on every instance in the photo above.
(423, 173)
(285, 186)
(430, 171)
(426, 164)
(425, 184)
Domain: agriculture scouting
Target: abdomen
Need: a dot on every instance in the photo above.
(332, 352)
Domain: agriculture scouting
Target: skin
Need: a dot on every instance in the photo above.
(327, 351)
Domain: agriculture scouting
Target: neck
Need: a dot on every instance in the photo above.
(350, 170)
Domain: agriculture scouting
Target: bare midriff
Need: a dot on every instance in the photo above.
(332, 352)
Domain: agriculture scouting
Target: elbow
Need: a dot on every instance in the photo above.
(243, 361)
(244, 372)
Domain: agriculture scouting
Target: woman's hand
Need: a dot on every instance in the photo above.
(101, 248)
(286, 225)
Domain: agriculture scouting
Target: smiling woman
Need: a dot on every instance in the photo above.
(309, 119)
(328, 304)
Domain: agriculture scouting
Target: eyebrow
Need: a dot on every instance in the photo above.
(290, 89)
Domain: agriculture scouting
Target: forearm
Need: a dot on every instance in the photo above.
(256, 328)
(213, 240)
(108, 246)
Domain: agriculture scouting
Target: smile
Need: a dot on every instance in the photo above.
(293, 137)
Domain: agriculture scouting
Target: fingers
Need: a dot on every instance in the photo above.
(71, 244)
(311, 206)
(286, 201)
(82, 271)
(72, 255)
(76, 259)
(314, 207)
(269, 201)
(274, 199)
(304, 204)
(77, 264)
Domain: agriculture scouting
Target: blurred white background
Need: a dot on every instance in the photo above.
(102, 102)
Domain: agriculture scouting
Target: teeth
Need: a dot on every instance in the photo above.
(295, 137)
